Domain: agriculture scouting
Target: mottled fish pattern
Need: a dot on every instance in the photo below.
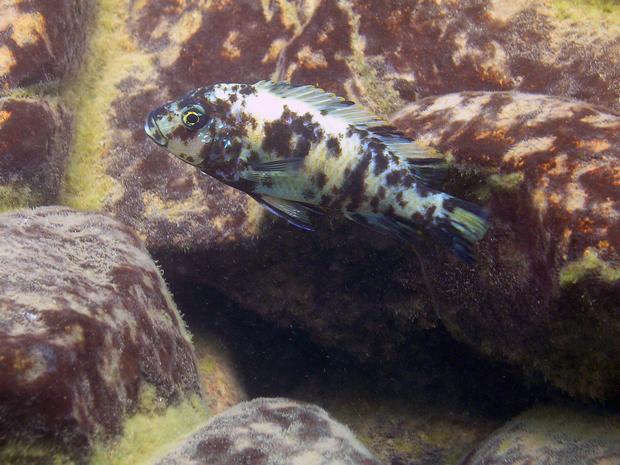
(303, 152)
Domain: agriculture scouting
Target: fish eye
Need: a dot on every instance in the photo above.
(194, 118)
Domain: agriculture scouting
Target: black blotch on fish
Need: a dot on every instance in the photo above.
(247, 89)
(333, 147)
(278, 134)
(321, 179)
(354, 183)
(393, 178)
(277, 138)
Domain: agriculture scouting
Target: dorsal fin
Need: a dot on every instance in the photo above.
(395, 141)
(324, 102)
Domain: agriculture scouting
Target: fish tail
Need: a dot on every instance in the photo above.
(459, 227)
(462, 225)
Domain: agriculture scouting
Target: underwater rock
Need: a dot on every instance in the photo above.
(33, 151)
(553, 436)
(41, 40)
(347, 287)
(545, 291)
(269, 432)
(388, 53)
(87, 329)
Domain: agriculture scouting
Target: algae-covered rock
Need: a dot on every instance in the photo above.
(553, 436)
(270, 432)
(87, 330)
(545, 292)
(41, 40)
(347, 287)
(387, 53)
(33, 151)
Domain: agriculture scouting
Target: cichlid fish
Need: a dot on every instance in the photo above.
(303, 152)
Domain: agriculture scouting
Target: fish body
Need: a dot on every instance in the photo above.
(303, 152)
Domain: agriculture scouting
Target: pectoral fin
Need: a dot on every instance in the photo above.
(264, 172)
(296, 213)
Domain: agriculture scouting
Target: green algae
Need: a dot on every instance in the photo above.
(589, 265)
(380, 97)
(505, 182)
(28, 453)
(152, 431)
(588, 10)
(571, 423)
(111, 57)
(13, 197)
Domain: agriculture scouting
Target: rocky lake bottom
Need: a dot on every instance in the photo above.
(152, 315)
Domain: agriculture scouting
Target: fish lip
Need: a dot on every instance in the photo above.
(153, 131)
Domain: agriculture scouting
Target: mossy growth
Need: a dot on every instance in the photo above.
(505, 182)
(27, 453)
(152, 431)
(381, 97)
(590, 265)
(496, 183)
(13, 197)
(571, 424)
(111, 57)
(588, 10)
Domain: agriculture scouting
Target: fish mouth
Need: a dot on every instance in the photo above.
(153, 131)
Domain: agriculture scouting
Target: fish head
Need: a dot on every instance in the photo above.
(184, 127)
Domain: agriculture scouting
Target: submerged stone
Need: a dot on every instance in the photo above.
(545, 290)
(34, 148)
(87, 330)
(351, 289)
(271, 432)
(41, 40)
(553, 435)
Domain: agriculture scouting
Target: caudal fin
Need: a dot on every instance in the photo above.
(464, 224)
(459, 229)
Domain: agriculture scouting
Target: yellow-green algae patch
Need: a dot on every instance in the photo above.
(112, 56)
(27, 453)
(14, 197)
(377, 94)
(607, 11)
(590, 264)
(505, 182)
(570, 423)
(152, 431)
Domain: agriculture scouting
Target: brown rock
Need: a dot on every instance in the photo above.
(545, 290)
(348, 287)
(33, 151)
(86, 325)
(41, 40)
(386, 54)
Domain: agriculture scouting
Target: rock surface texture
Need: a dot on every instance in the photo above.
(384, 55)
(41, 40)
(271, 432)
(41, 44)
(86, 326)
(545, 290)
(553, 436)
(33, 151)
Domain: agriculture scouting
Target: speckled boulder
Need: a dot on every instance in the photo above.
(546, 290)
(552, 436)
(387, 53)
(349, 288)
(272, 432)
(86, 326)
(41, 40)
(33, 151)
